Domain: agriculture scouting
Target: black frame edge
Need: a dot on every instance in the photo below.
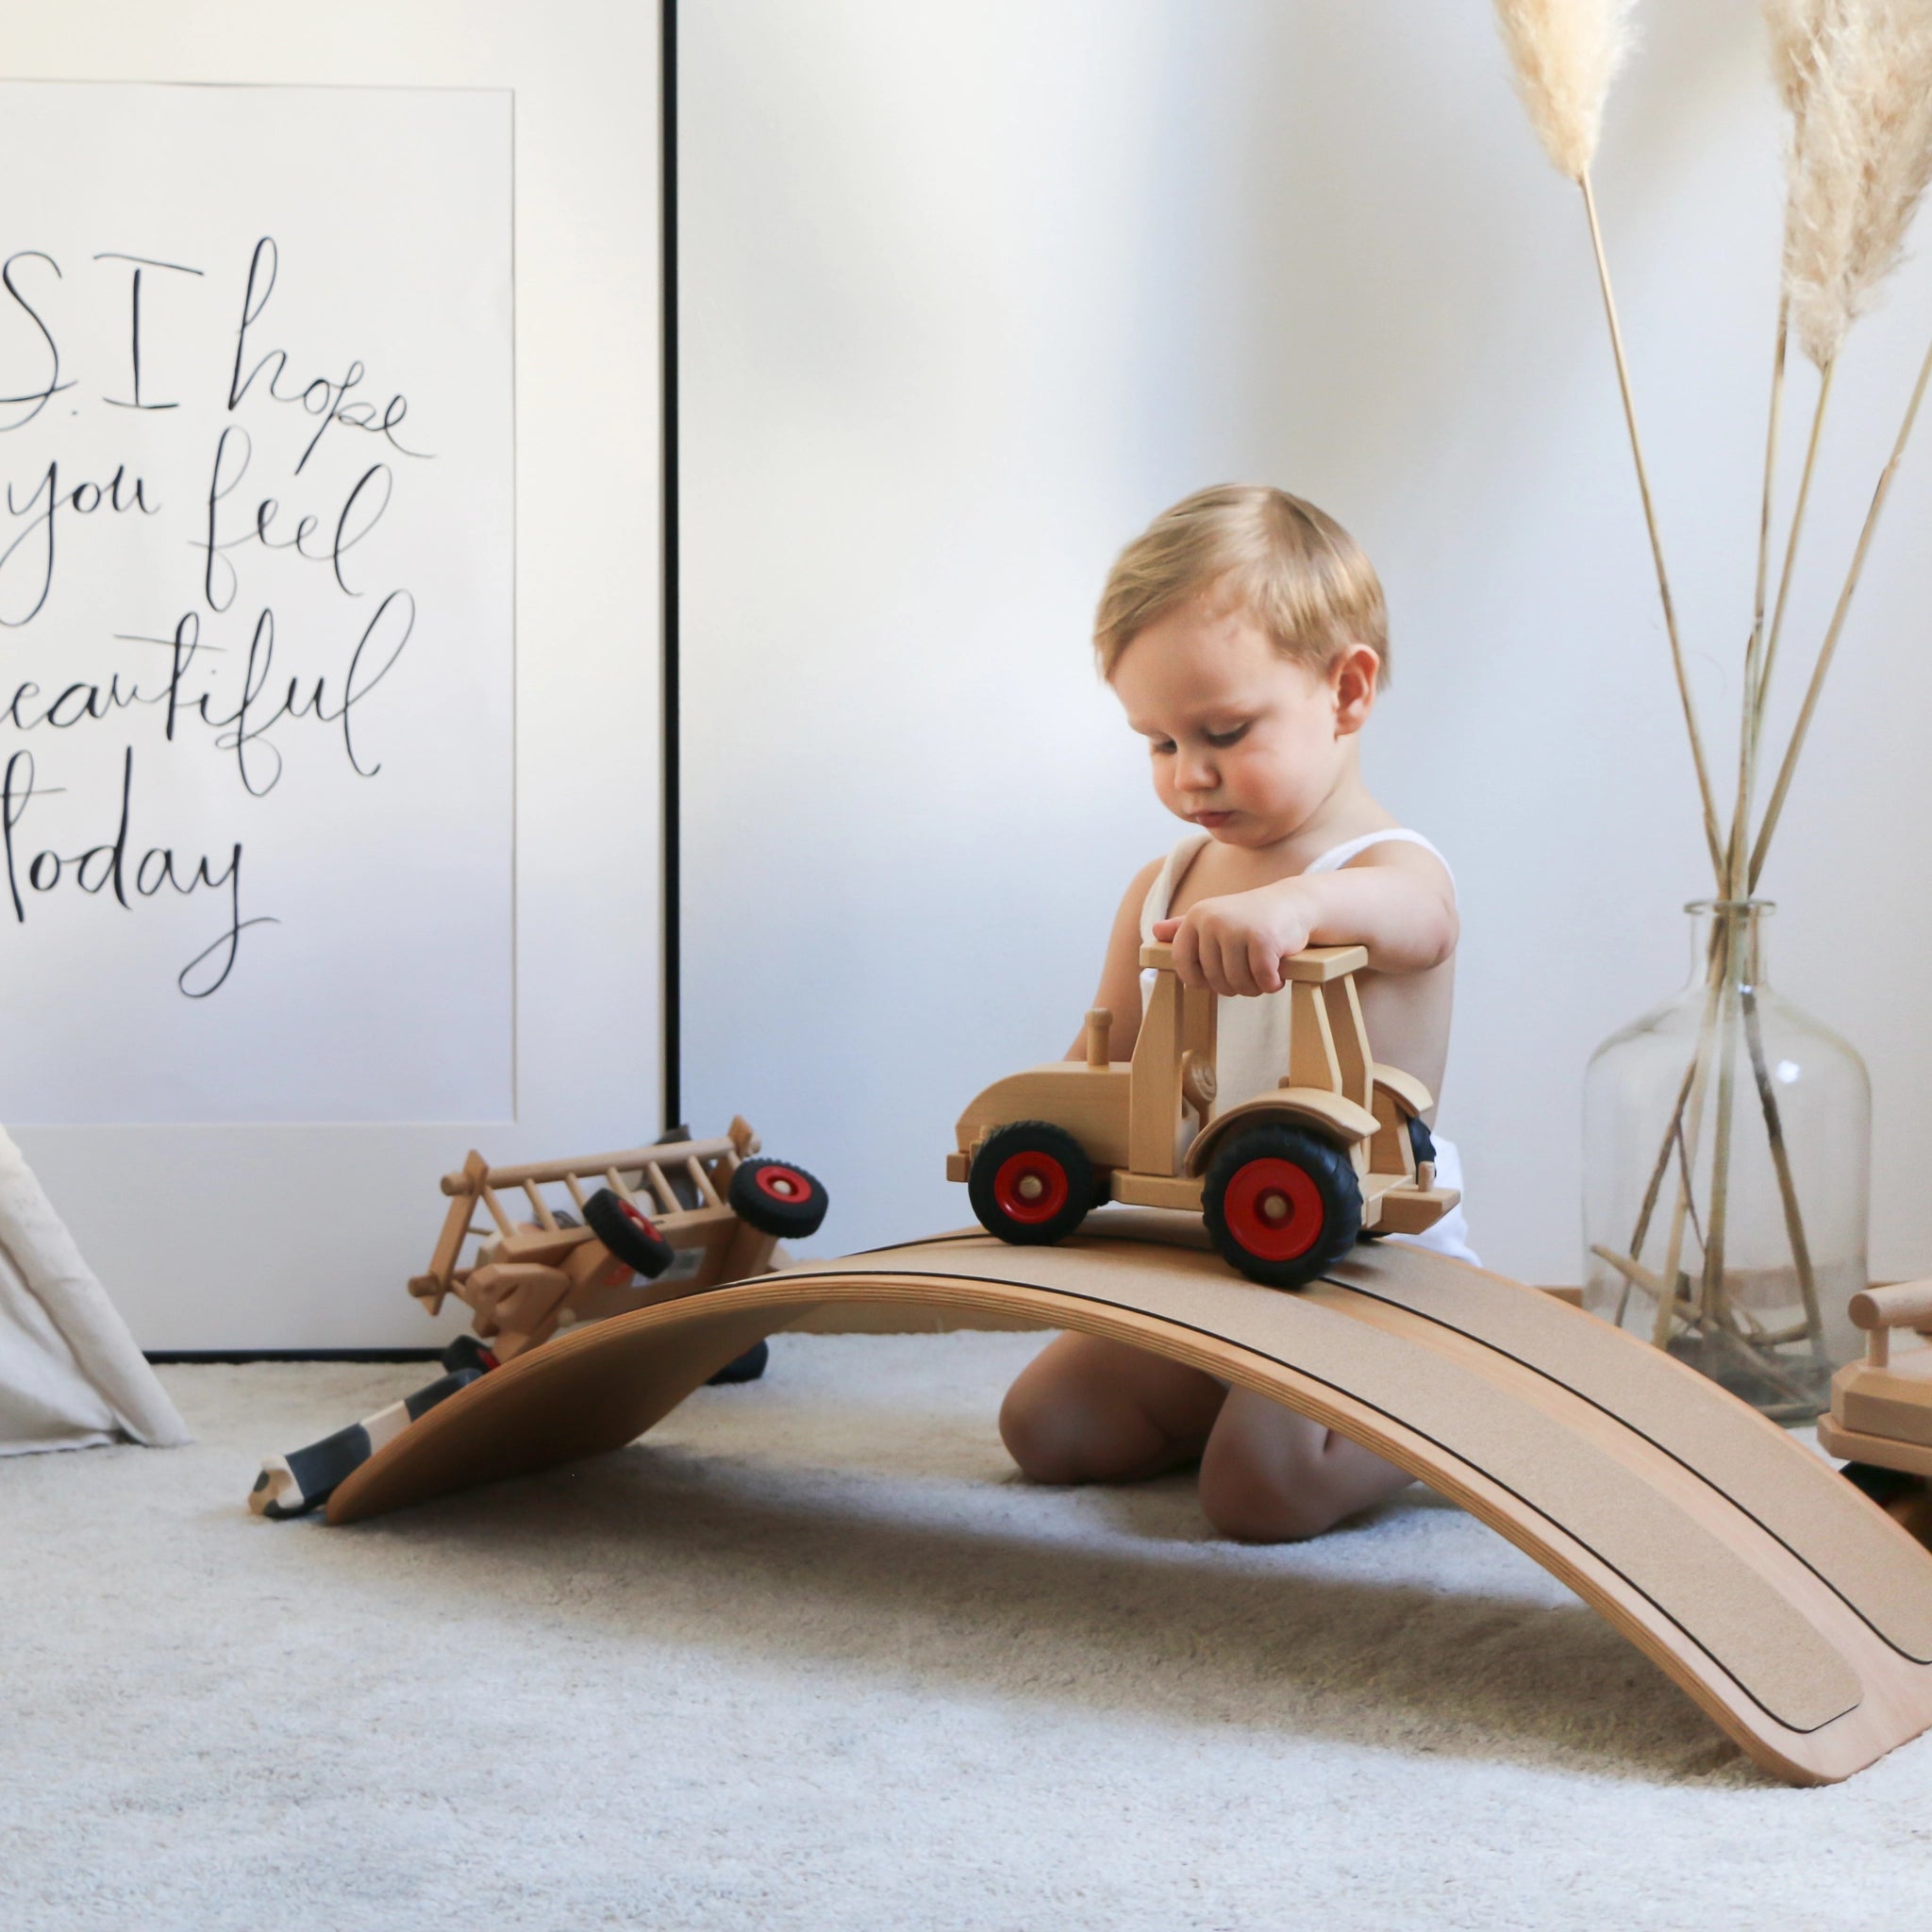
(673, 898)
(163, 1356)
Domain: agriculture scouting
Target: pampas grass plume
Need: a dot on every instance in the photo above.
(1794, 26)
(1861, 154)
(1565, 54)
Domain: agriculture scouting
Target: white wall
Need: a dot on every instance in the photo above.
(972, 291)
(304, 1235)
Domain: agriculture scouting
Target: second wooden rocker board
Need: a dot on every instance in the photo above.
(1791, 1610)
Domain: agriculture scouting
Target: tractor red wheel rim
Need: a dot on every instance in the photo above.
(784, 1184)
(633, 1213)
(1030, 1187)
(1273, 1209)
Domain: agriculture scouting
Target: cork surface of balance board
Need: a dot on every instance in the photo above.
(1795, 1613)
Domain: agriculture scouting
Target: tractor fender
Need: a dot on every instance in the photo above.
(1090, 1103)
(1408, 1094)
(1333, 1115)
(1399, 1101)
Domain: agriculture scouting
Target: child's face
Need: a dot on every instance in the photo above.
(1246, 744)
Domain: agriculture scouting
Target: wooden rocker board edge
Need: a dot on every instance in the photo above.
(1748, 1458)
(1862, 1554)
(597, 1388)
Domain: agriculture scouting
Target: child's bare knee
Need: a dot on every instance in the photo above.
(1252, 1512)
(1040, 1437)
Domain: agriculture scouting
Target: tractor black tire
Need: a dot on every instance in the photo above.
(1882, 1484)
(1031, 1184)
(470, 1352)
(1282, 1204)
(777, 1198)
(748, 1367)
(628, 1232)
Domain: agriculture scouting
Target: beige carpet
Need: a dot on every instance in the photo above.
(812, 1658)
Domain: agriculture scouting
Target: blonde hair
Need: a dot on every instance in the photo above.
(1289, 565)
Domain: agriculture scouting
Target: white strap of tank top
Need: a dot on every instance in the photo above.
(1337, 856)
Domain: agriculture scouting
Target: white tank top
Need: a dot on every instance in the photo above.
(1251, 1035)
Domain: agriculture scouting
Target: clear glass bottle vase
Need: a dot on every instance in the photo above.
(1727, 1147)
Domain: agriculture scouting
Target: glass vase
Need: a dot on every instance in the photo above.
(1726, 1152)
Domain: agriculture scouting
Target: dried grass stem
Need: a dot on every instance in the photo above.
(1705, 795)
(1829, 647)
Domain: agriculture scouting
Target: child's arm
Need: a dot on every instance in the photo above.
(1396, 900)
(1120, 973)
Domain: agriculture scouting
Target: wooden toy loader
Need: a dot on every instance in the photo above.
(644, 1225)
(1285, 1181)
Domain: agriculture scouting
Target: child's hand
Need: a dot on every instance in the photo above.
(1235, 945)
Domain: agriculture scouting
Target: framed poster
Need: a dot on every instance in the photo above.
(256, 567)
(403, 288)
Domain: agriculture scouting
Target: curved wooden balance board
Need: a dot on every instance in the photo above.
(1794, 1612)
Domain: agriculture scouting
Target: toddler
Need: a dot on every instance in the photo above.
(1245, 636)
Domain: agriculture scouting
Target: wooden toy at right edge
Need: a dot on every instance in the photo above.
(1287, 1181)
(1881, 1408)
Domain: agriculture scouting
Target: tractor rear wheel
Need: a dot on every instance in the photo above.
(1282, 1204)
(1031, 1183)
(777, 1198)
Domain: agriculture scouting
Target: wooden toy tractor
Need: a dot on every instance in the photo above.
(644, 1225)
(1285, 1181)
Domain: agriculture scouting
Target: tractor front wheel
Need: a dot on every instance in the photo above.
(628, 1232)
(1031, 1183)
(1282, 1204)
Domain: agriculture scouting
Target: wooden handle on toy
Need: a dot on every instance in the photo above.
(1318, 963)
(1099, 1037)
(1905, 1305)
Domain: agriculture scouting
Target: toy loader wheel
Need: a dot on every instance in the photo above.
(627, 1231)
(778, 1199)
(1032, 1183)
(1282, 1204)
